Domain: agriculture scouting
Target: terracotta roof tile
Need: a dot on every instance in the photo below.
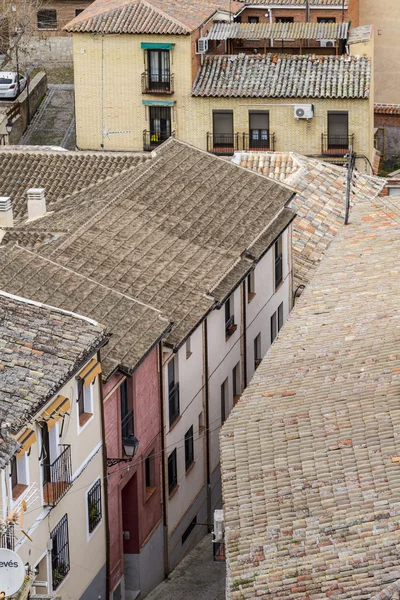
(309, 455)
(283, 76)
(387, 109)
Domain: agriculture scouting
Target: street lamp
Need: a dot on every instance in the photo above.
(9, 126)
(130, 446)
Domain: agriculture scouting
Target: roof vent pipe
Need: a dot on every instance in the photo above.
(36, 203)
(6, 212)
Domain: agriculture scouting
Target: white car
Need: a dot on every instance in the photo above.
(9, 85)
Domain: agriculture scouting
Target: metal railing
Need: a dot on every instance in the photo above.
(152, 139)
(336, 145)
(7, 536)
(222, 143)
(157, 83)
(262, 145)
(58, 477)
(173, 403)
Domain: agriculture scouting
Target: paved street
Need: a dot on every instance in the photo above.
(54, 122)
(197, 577)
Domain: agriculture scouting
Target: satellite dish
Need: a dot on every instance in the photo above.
(12, 572)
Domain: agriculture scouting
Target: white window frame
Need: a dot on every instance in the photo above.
(22, 473)
(87, 401)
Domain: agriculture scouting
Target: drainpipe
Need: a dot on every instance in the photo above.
(244, 324)
(163, 474)
(307, 11)
(106, 518)
(271, 42)
(207, 423)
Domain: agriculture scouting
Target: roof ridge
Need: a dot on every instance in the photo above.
(166, 15)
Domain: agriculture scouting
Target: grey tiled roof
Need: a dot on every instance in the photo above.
(319, 203)
(40, 349)
(309, 456)
(60, 173)
(172, 237)
(270, 31)
(284, 76)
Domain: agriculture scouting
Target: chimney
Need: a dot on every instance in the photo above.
(6, 212)
(36, 203)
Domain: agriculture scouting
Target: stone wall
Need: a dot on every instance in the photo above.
(49, 51)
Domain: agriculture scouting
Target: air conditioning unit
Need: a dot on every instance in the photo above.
(202, 46)
(303, 111)
(327, 43)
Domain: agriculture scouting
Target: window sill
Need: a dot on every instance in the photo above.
(188, 355)
(173, 492)
(149, 492)
(47, 29)
(202, 429)
(190, 467)
(250, 296)
(235, 399)
(84, 418)
(230, 331)
(18, 490)
(174, 423)
(280, 284)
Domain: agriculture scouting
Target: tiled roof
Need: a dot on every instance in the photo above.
(319, 203)
(387, 109)
(40, 349)
(172, 237)
(310, 454)
(270, 31)
(284, 76)
(60, 173)
(361, 34)
(298, 3)
(175, 17)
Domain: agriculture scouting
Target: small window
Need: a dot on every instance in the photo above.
(172, 472)
(257, 351)
(47, 19)
(326, 20)
(94, 506)
(149, 472)
(284, 20)
(253, 19)
(251, 288)
(280, 316)
(230, 326)
(188, 348)
(236, 382)
(18, 475)
(274, 327)
(189, 530)
(127, 413)
(224, 400)
(60, 552)
(173, 391)
(85, 402)
(78, 11)
(189, 448)
(201, 422)
(278, 263)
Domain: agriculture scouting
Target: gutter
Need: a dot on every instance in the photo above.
(207, 424)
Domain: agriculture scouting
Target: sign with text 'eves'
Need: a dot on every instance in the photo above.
(12, 572)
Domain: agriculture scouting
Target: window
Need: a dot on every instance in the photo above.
(189, 448)
(201, 422)
(224, 400)
(78, 11)
(236, 382)
(85, 401)
(253, 19)
(274, 329)
(251, 288)
(237, 19)
(149, 472)
(47, 19)
(257, 351)
(223, 129)
(173, 391)
(172, 472)
(60, 552)
(127, 414)
(284, 20)
(276, 322)
(338, 130)
(159, 70)
(326, 20)
(278, 262)
(189, 530)
(94, 506)
(259, 129)
(18, 475)
(188, 348)
(280, 316)
(230, 326)
(160, 124)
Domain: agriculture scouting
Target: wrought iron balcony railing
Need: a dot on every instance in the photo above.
(57, 477)
(157, 83)
(222, 143)
(152, 139)
(264, 144)
(336, 145)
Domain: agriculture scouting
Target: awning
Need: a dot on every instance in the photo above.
(27, 439)
(153, 46)
(158, 102)
(92, 369)
(56, 410)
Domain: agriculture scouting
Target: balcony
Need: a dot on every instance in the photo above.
(336, 145)
(152, 139)
(260, 145)
(57, 477)
(157, 83)
(222, 144)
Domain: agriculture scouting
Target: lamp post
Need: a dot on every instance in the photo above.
(130, 446)
(9, 126)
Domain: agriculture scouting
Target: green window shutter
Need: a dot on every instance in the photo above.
(149, 46)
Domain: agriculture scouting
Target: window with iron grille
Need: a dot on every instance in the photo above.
(172, 471)
(47, 19)
(94, 505)
(173, 391)
(278, 262)
(60, 565)
(284, 19)
(189, 448)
